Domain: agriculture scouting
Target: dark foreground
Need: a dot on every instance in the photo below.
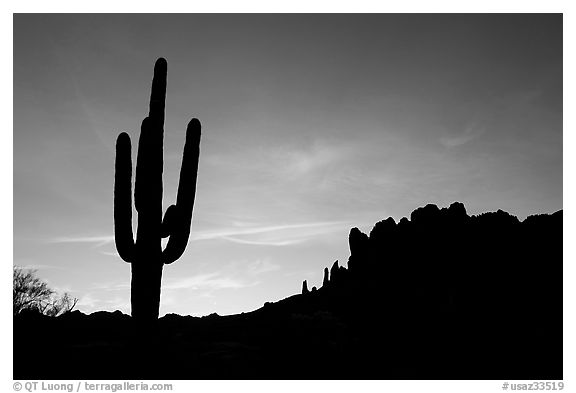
(440, 296)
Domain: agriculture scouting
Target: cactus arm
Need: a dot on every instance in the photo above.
(181, 224)
(170, 217)
(158, 92)
(123, 199)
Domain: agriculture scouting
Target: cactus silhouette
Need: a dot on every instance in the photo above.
(145, 254)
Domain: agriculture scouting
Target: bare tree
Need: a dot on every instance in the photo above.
(31, 293)
(60, 305)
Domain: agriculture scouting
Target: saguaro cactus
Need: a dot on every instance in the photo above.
(145, 254)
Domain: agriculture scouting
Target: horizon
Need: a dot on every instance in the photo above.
(311, 125)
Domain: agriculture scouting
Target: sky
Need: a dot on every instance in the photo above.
(312, 125)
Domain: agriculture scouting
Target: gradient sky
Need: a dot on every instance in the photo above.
(312, 124)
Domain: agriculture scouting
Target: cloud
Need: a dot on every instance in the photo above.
(262, 242)
(112, 286)
(242, 233)
(471, 132)
(262, 266)
(111, 253)
(36, 266)
(287, 160)
(96, 240)
(272, 235)
(118, 303)
(90, 303)
(209, 281)
(318, 155)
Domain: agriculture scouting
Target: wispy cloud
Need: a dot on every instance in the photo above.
(242, 233)
(96, 240)
(118, 303)
(111, 253)
(288, 160)
(36, 266)
(111, 286)
(318, 155)
(262, 266)
(89, 303)
(262, 242)
(209, 281)
(471, 132)
(273, 235)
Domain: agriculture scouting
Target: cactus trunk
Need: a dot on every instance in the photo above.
(146, 254)
(145, 290)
